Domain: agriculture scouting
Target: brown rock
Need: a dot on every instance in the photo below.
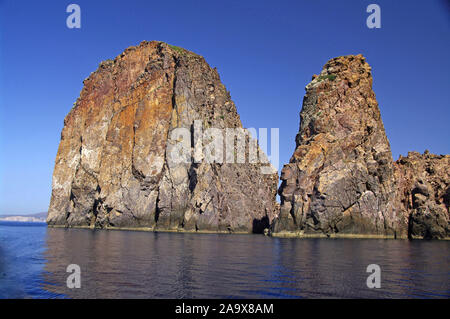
(340, 179)
(113, 169)
(423, 183)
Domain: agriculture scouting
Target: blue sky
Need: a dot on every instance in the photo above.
(265, 52)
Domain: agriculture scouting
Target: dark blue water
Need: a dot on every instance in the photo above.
(128, 264)
(22, 247)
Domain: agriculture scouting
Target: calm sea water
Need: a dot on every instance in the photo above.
(128, 264)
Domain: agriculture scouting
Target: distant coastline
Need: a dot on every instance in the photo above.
(32, 218)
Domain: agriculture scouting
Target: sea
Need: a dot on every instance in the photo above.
(41, 262)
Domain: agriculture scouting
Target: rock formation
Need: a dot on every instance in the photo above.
(423, 183)
(120, 164)
(340, 179)
(113, 168)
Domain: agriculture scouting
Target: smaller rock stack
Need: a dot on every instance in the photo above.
(340, 179)
(423, 183)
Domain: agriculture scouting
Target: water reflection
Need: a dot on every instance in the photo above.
(125, 264)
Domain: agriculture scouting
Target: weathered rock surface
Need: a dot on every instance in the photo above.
(423, 183)
(112, 167)
(340, 179)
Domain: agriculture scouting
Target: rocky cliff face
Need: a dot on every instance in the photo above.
(423, 183)
(340, 179)
(114, 166)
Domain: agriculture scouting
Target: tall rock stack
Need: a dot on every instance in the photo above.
(340, 179)
(423, 182)
(113, 169)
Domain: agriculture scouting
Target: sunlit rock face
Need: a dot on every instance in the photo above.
(340, 179)
(423, 183)
(113, 169)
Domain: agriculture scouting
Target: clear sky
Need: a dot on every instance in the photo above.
(265, 52)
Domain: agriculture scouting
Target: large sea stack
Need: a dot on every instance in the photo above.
(112, 169)
(340, 180)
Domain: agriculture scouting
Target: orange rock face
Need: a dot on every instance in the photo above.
(112, 166)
